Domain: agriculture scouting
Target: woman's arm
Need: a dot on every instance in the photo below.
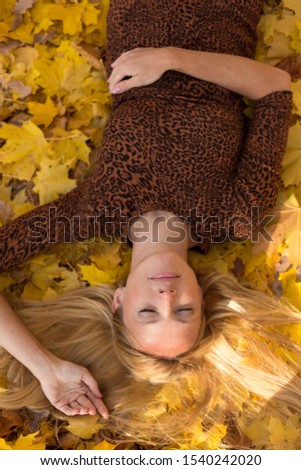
(244, 76)
(254, 188)
(243, 203)
(66, 385)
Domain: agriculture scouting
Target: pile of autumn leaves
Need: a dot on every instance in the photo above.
(54, 103)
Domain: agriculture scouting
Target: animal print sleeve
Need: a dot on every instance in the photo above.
(257, 177)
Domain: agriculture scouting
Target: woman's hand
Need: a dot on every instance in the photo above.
(72, 390)
(143, 65)
(69, 388)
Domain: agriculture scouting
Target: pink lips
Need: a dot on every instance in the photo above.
(165, 276)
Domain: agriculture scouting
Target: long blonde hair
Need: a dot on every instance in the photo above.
(234, 360)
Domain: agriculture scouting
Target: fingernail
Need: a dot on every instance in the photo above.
(116, 90)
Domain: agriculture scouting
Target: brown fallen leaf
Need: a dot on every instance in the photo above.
(91, 59)
(298, 274)
(6, 47)
(277, 288)
(20, 88)
(239, 268)
(22, 6)
(33, 419)
(5, 211)
(284, 265)
(292, 65)
(10, 421)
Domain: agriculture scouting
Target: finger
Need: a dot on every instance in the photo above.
(87, 404)
(126, 85)
(77, 407)
(99, 405)
(95, 395)
(117, 76)
(91, 383)
(67, 410)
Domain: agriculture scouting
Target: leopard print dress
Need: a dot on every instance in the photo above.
(181, 144)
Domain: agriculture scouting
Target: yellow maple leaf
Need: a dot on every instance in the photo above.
(32, 292)
(296, 89)
(25, 55)
(95, 276)
(43, 25)
(106, 255)
(257, 431)
(44, 269)
(84, 426)
(292, 162)
(213, 261)
(26, 144)
(102, 21)
(104, 445)
(61, 69)
(90, 13)
(29, 442)
(286, 229)
(6, 8)
(19, 204)
(43, 113)
(293, 5)
(70, 146)
(215, 435)
(70, 15)
(296, 38)
(293, 294)
(52, 180)
(21, 141)
(4, 29)
(6, 280)
(4, 445)
(23, 33)
(267, 26)
(282, 435)
(169, 395)
(72, 19)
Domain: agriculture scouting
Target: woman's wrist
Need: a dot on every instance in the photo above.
(44, 364)
(174, 60)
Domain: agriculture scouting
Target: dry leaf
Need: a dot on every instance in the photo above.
(22, 6)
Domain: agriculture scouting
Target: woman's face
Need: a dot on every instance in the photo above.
(161, 304)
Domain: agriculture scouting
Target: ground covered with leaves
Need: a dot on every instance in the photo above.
(54, 103)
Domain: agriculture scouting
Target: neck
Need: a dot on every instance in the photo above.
(159, 232)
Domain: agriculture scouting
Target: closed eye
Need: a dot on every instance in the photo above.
(147, 313)
(184, 309)
(185, 313)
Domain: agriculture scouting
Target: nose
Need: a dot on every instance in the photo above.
(167, 291)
